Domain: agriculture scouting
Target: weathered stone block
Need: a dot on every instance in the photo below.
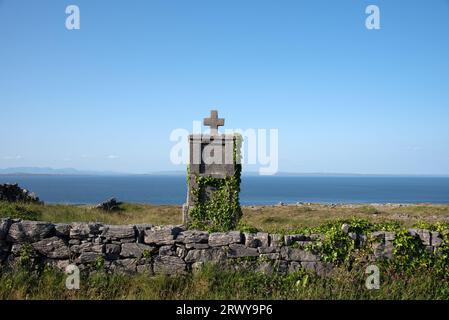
(83, 230)
(62, 230)
(127, 266)
(88, 257)
(192, 236)
(197, 246)
(212, 255)
(168, 250)
(29, 231)
(292, 238)
(162, 235)
(53, 248)
(240, 250)
(268, 249)
(140, 230)
(87, 247)
(271, 256)
(120, 233)
(217, 239)
(255, 240)
(136, 250)
(169, 265)
(112, 251)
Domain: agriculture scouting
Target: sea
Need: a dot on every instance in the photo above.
(255, 190)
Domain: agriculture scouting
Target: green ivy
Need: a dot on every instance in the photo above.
(221, 211)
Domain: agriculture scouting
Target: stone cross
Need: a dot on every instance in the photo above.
(213, 122)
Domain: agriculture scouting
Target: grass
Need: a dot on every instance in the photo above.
(265, 218)
(211, 283)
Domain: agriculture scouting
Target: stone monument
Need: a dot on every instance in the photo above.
(213, 178)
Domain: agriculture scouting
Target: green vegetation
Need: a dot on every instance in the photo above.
(413, 273)
(221, 210)
(211, 283)
(281, 219)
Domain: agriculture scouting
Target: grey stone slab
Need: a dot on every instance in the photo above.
(162, 235)
(169, 265)
(240, 250)
(29, 231)
(53, 248)
(225, 238)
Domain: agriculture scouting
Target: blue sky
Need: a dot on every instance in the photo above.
(344, 98)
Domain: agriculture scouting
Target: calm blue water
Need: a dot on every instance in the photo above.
(255, 189)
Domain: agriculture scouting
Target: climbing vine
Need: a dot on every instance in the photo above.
(220, 210)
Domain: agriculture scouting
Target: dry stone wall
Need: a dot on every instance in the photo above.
(171, 249)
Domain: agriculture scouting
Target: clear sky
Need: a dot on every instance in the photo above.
(344, 98)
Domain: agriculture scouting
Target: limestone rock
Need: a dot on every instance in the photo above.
(255, 240)
(29, 231)
(162, 235)
(264, 250)
(217, 239)
(84, 230)
(87, 247)
(140, 229)
(62, 230)
(271, 256)
(169, 265)
(53, 248)
(292, 238)
(88, 257)
(192, 236)
(168, 250)
(197, 246)
(213, 255)
(240, 250)
(119, 233)
(136, 250)
(112, 251)
(124, 266)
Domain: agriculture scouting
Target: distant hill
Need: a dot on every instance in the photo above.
(72, 171)
(52, 171)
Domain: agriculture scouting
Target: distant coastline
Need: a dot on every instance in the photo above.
(47, 171)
